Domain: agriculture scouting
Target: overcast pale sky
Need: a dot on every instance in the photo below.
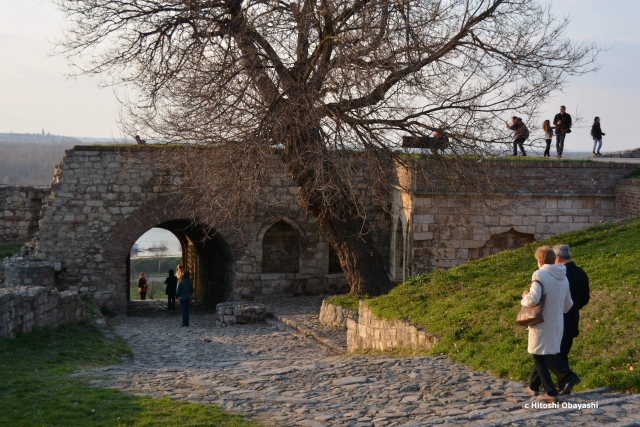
(35, 94)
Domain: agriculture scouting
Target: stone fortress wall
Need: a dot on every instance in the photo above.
(628, 198)
(437, 228)
(103, 198)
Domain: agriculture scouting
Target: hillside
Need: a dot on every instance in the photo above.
(473, 308)
(30, 163)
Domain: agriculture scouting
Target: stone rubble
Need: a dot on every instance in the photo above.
(230, 313)
(277, 376)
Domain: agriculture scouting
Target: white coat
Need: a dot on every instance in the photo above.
(545, 337)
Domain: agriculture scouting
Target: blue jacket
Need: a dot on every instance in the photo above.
(185, 290)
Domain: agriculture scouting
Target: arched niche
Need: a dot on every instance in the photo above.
(281, 248)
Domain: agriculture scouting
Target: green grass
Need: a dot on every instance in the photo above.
(347, 301)
(9, 250)
(528, 158)
(634, 174)
(149, 266)
(156, 287)
(472, 308)
(36, 389)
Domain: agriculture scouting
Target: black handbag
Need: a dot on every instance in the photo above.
(532, 315)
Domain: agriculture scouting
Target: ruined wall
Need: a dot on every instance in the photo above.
(628, 198)
(104, 198)
(371, 332)
(22, 309)
(20, 207)
(541, 199)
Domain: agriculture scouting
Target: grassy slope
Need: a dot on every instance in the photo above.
(473, 308)
(9, 250)
(36, 389)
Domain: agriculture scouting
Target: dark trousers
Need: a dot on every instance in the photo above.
(184, 305)
(171, 302)
(560, 143)
(143, 295)
(565, 348)
(518, 143)
(542, 363)
(546, 150)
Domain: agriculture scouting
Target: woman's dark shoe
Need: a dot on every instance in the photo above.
(570, 385)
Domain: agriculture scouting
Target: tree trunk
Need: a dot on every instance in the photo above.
(323, 193)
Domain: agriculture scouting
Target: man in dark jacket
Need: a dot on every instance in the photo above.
(562, 123)
(170, 291)
(579, 288)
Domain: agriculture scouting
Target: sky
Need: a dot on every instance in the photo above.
(35, 93)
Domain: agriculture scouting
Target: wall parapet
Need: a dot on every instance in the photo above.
(371, 332)
(24, 308)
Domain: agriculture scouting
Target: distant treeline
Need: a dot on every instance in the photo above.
(30, 163)
(38, 137)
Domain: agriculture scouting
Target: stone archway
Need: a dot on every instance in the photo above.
(205, 253)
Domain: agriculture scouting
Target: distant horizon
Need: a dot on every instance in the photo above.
(37, 92)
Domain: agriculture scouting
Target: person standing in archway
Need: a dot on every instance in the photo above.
(170, 291)
(184, 292)
(142, 286)
(179, 272)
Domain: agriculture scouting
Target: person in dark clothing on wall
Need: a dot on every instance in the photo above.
(170, 291)
(521, 134)
(597, 134)
(562, 121)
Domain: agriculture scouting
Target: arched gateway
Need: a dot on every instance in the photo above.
(207, 255)
(104, 198)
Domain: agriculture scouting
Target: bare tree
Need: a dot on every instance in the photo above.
(159, 249)
(329, 87)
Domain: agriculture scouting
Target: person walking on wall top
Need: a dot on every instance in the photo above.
(170, 291)
(521, 134)
(562, 121)
(597, 134)
(142, 286)
(548, 136)
(184, 292)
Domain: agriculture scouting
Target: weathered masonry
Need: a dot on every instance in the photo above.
(104, 198)
(20, 207)
(441, 229)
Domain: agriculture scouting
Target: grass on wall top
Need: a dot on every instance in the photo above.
(472, 308)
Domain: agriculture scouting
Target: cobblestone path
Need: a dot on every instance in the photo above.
(278, 376)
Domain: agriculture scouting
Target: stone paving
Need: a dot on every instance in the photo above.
(278, 376)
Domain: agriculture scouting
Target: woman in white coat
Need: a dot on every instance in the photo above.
(545, 337)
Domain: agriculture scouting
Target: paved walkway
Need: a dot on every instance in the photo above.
(278, 376)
